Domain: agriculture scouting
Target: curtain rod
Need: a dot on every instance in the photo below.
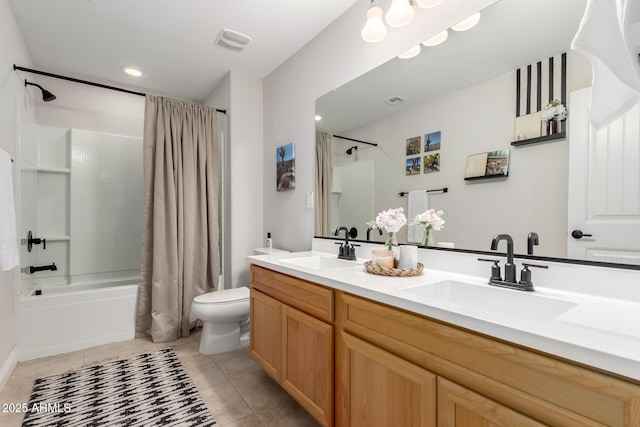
(355, 140)
(86, 82)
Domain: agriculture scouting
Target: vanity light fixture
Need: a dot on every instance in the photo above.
(133, 72)
(467, 23)
(400, 13)
(374, 30)
(318, 117)
(437, 39)
(414, 51)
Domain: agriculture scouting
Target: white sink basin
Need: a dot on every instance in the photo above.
(318, 262)
(487, 301)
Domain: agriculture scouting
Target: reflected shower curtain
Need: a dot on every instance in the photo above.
(324, 181)
(180, 255)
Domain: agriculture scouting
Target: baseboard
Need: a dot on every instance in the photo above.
(7, 368)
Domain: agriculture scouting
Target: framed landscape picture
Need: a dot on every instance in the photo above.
(286, 167)
(413, 166)
(432, 141)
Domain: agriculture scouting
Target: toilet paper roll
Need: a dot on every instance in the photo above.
(408, 257)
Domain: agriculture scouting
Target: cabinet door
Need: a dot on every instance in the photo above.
(307, 362)
(461, 407)
(378, 388)
(266, 330)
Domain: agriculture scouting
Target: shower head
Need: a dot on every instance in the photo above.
(350, 150)
(46, 95)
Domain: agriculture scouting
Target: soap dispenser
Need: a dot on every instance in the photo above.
(269, 243)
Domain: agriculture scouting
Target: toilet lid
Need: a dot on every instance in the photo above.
(224, 296)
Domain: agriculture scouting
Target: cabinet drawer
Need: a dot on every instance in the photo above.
(307, 297)
(543, 387)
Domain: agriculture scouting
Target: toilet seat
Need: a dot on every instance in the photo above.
(225, 296)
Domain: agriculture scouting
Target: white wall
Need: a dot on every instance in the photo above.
(241, 96)
(475, 211)
(12, 51)
(334, 57)
(246, 173)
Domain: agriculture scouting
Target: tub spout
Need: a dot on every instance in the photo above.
(51, 267)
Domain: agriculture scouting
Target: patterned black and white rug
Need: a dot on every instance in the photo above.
(150, 389)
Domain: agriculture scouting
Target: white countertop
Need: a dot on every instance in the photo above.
(595, 330)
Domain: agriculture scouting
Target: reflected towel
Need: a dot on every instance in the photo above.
(8, 237)
(609, 36)
(418, 203)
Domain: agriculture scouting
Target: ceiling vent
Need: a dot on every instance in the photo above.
(232, 40)
(395, 100)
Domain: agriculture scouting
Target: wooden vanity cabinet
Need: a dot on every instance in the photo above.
(482, 380)
(394, 367)
(292, 338)
(379, 389)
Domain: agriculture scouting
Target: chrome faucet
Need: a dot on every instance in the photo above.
(346, 250)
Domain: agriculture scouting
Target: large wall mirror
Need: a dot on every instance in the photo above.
(463, 92)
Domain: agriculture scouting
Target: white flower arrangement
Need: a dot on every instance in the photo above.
(430, 219)
(391, 220)
(553, 111)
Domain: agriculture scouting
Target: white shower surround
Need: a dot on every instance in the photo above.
(82, 191)
(77, 316)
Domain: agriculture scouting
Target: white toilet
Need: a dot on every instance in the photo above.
(225, 315)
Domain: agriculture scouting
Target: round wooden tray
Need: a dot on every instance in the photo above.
(393, 272)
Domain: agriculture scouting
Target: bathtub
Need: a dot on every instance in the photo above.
(76, 316)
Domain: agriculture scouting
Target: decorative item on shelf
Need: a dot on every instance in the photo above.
(429, 220)
(391, 221)
(551, 116)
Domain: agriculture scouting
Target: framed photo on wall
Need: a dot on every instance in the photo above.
(431, 163)
(286, 167)
(413, 146)
(413, 166)
(432, 141)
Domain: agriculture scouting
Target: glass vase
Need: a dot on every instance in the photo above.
(427, 234)
(392, 245)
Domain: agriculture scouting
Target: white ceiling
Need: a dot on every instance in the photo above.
(172, 41)
(511, 34)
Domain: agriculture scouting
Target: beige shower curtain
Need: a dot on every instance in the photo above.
(180, 255)
(324, 180)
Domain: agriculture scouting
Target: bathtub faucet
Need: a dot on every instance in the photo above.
(51, 267)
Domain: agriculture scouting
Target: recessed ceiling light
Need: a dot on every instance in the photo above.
(134, 72)
(468, 23)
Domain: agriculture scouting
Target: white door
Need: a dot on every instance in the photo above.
(604, 186)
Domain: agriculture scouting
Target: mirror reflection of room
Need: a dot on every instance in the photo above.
(471, 110)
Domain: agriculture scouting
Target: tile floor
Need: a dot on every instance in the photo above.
(236, 390)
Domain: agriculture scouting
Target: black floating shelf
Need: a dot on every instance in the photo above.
(475, 178)
(560, 135)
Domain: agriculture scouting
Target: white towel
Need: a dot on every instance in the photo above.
(8, 240)
(609, 36)
(418, 203)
